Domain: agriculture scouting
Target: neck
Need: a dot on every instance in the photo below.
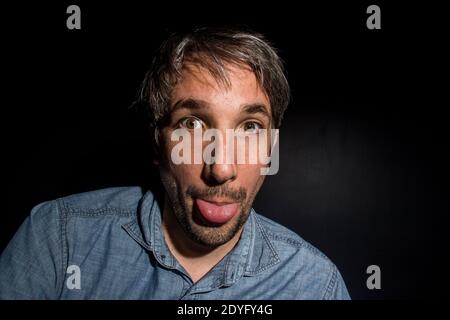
(196, 259)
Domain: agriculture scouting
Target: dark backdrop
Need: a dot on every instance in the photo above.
(355, 178)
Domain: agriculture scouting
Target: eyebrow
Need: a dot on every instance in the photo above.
(194, 104)
(255, 108)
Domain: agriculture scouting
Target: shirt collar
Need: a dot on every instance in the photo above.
(253, 253)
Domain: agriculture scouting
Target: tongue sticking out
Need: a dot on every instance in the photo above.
(216, 213)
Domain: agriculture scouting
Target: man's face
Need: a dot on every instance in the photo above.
(211, 202)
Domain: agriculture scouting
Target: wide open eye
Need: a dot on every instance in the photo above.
(191, 123)
(251, 127)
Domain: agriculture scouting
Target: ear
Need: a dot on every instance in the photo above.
(154, 135)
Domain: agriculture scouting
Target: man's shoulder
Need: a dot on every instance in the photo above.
(114, 200)
(288, 244)
(315, 274)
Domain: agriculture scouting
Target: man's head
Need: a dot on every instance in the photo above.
(213, 79)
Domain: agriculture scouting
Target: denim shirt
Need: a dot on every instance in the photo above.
(111, 241)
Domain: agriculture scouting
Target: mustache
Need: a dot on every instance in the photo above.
(221, 191)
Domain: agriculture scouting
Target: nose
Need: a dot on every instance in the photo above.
(220, 171)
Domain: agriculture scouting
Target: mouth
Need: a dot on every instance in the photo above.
(216, 212)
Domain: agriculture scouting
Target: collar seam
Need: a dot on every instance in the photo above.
(128, 227)
(275, 257)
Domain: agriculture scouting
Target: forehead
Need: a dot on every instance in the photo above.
(242, 87)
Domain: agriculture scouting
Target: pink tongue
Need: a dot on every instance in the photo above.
(215, 213)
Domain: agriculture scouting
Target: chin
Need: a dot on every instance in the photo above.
(214, 235)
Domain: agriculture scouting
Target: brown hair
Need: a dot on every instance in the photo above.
(212, 49)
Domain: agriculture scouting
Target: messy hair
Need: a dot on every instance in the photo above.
(212, 49)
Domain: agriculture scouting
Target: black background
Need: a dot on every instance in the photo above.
(358, 148)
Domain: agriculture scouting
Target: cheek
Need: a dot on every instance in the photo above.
(250, 176)
(186, 173)
(183, 174)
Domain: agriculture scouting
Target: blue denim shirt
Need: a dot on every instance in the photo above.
(113, 237)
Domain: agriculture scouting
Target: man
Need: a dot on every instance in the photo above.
(202, 239)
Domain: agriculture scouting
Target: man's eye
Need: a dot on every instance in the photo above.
(251, 127)
(191, 123)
